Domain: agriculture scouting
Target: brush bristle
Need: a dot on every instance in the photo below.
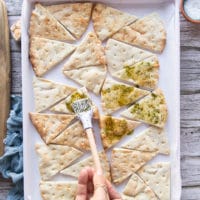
(81, 105)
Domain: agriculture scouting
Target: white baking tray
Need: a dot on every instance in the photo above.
(169, 82)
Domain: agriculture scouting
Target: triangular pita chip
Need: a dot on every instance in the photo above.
(152, 109)
(137, 188)
(147, 32)
(125, 161)
(50, 125)
(74, 136)
(151, 139)
(107, 20)
(47, 93)
(144, 73)
(43, 24)
(118, 53)
(115, 95)
(91, 77)
(113, 129)
(75, 169)
(45, 53)
(58, 190)
(65, 105)
(157, 176)
(89, 53)
(54, 158)
(74, 16)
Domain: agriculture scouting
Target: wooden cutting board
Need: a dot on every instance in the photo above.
(4, 72)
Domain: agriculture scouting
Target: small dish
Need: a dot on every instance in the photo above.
(184, 13)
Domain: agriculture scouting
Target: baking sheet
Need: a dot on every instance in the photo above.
(169, 83)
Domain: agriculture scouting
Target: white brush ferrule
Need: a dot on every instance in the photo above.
(85, 118)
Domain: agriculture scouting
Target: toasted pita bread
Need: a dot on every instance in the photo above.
(138, 189)
(151, 139)
(73, 136)
(50, 125)
(152, 109)
(75, 169)
(54, 158)
(107, 20)
(91, 77)
(125, 161)
(65, 105)
(157, 176)
(45, 53)
(43, 24)
(118, 53)
(58, 190)
(47, 93)
(74, 16)
(89, 53)
(144, 73)
(113, 129)
(147, 32)
(115, 95)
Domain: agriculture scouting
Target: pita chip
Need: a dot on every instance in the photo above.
(151, 139)
(118, 53)
(54, 158)
(50, 125)
(74, 136)
(113, 129)
(75, 17)
(90, 77)
(152, 109)
(108, 20)
(125, 161)
(58, 190)
(75, 169)
(157, 176)
(45, 54)
(43, 24)
(89, 53)
(47, 93)
(115, 95)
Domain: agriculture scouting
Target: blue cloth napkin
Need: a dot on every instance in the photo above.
(11, 163)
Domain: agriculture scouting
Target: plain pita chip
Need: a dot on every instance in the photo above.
(50, 125)
(45, 53)
(90, 77)
(107, 20)
(89, 53)
(152, 109)
(65, 105)
(43, 24)
(113, 129)
(74, 136)
(75, 169)
(157, 176)
(74, 16)
(144, 73)
(118, 53)
(147, 32)
(47, 93)
(125, 161)
(137, 188)
(58, 190)
(54, 158)
(115, 95)
(151, 139)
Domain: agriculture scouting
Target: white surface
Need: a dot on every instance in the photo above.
(169, 82)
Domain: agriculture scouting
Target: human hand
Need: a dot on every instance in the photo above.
(93, 186)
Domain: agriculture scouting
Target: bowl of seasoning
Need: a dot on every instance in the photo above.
(191, 10)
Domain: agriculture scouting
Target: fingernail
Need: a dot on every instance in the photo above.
(99, 172)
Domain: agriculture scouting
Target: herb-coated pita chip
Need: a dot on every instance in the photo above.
(152, 109)
(107, 20)
(45, 53)
(43, 24)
